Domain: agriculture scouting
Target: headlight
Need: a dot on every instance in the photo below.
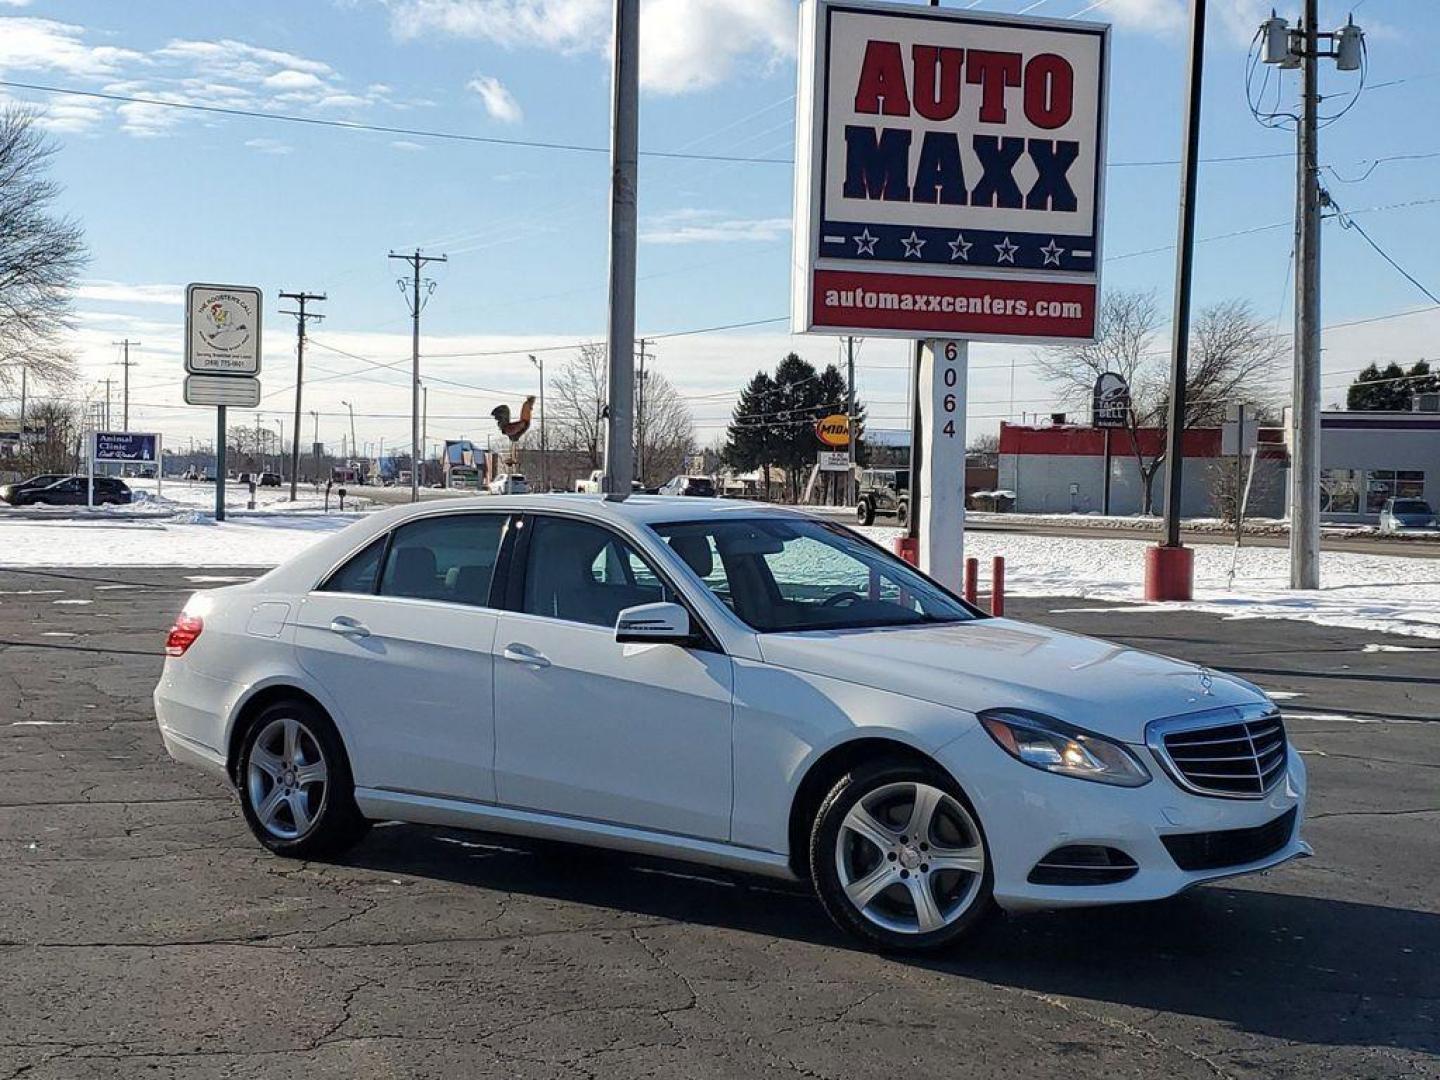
(1042, 742)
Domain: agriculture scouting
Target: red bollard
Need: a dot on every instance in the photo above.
(908, 548)
(972, 579)
(997, 586)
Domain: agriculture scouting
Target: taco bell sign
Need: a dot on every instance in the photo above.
(949, 173)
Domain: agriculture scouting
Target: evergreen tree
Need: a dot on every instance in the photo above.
(750, 439)
(1390, 389)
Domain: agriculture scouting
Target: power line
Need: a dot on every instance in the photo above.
(1347, 223)
(384, 129)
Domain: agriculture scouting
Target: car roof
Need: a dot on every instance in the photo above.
(642, 509)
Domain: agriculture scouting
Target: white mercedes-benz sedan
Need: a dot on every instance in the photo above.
(728, 683)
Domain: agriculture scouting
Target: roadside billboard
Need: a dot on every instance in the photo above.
(127, 446)
(949, 173)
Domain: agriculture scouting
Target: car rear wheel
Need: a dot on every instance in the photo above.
(902, 513)
(898, 858)
(295, 784)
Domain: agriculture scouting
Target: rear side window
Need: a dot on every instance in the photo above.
(359, 574)
(448, 558)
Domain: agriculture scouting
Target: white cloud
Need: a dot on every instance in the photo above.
(291, 80)
(707, 226)
(688, 44)
(28, 44)
(121, 293)
(407, 145)
(499, 102)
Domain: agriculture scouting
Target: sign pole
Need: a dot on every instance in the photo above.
(941, 516)
(220, 463)
(90, 486)
(159, 466)
(1105, 502)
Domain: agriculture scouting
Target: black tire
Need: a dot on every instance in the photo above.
(856, 785)
(336, 823)
(864, 512)
(902, 513)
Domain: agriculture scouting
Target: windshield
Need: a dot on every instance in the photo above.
(1412, 506)
(786, 575)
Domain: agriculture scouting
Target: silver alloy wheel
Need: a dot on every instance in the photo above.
(909, 858)
(287, 778)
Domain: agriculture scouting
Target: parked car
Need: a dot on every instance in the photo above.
(509, 484)
(11, 492)
(1406, 515)
(270, 479)
(883, 493)
(73, 491)
(702, 486)
(743, 686)
(591, 484)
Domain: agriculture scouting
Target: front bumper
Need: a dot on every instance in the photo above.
(1027, 813)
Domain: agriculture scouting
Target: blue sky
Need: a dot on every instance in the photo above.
(168, 196)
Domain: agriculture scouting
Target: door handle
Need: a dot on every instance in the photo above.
(343, 624)
(524, 654)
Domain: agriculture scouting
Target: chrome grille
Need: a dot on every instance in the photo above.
(1242, 759)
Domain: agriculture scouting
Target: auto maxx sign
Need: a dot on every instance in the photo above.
(950, 173)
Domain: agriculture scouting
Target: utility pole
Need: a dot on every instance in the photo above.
(107, 403)
(301, 316)
(640, 416)
(416, 261)
(127, 364)
(850, 418)
(624, 180)
(24, 373)
(544, 457)
(425, 422)
(1300, 48)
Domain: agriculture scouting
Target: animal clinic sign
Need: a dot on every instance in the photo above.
(950, 173)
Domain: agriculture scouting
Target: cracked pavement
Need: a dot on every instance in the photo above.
(144, 932)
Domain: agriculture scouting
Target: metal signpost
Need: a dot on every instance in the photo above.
(949, 187)
(222, 359)
(1109, 409)
(132, 447)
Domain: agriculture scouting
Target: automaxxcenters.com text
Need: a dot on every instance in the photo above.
(984, 304)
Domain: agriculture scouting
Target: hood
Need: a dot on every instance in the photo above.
(993, 663)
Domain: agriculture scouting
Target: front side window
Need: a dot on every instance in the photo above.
(788, 575)
(450, 558)
(584, 573)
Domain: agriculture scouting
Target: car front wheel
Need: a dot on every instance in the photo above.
(295, 785)
(898, 858)
(864, 512)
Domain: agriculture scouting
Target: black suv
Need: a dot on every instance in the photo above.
(71, 491)
(14, 493)
(883, 493)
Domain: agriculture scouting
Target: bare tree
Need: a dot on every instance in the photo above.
(40, 255)
(986, 447)
(667, 428)
(577, 404)
(1231, 354)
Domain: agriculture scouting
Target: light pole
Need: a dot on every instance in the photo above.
(544, 463)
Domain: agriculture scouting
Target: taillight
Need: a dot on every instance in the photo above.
(183, 634)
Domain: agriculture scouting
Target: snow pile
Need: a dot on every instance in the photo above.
(1386, 593)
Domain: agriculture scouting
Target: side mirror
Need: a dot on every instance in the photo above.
(654, 624)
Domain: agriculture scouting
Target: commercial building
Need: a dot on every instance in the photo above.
(1367, 457)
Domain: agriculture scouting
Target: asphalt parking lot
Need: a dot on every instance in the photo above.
(144, 933)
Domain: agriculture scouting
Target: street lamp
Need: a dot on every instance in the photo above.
(544, 463)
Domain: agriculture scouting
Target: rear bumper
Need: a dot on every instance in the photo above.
(192, 710)
(1027, 813)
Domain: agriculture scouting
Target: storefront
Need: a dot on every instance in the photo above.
(1369, 457)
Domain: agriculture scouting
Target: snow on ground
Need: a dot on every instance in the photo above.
(183, 540)
(200, 495)
(1382, 593)
(1391, 594)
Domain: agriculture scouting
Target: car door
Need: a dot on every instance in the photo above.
(401, 639)
(635, 735)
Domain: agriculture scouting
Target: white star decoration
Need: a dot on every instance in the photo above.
(913, 244)
(1052, 252)
(1005, 251)
(960, 248)
(865, 243)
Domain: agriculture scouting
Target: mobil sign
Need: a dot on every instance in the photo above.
(949, 173)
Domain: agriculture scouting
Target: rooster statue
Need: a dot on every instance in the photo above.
(514, 429)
